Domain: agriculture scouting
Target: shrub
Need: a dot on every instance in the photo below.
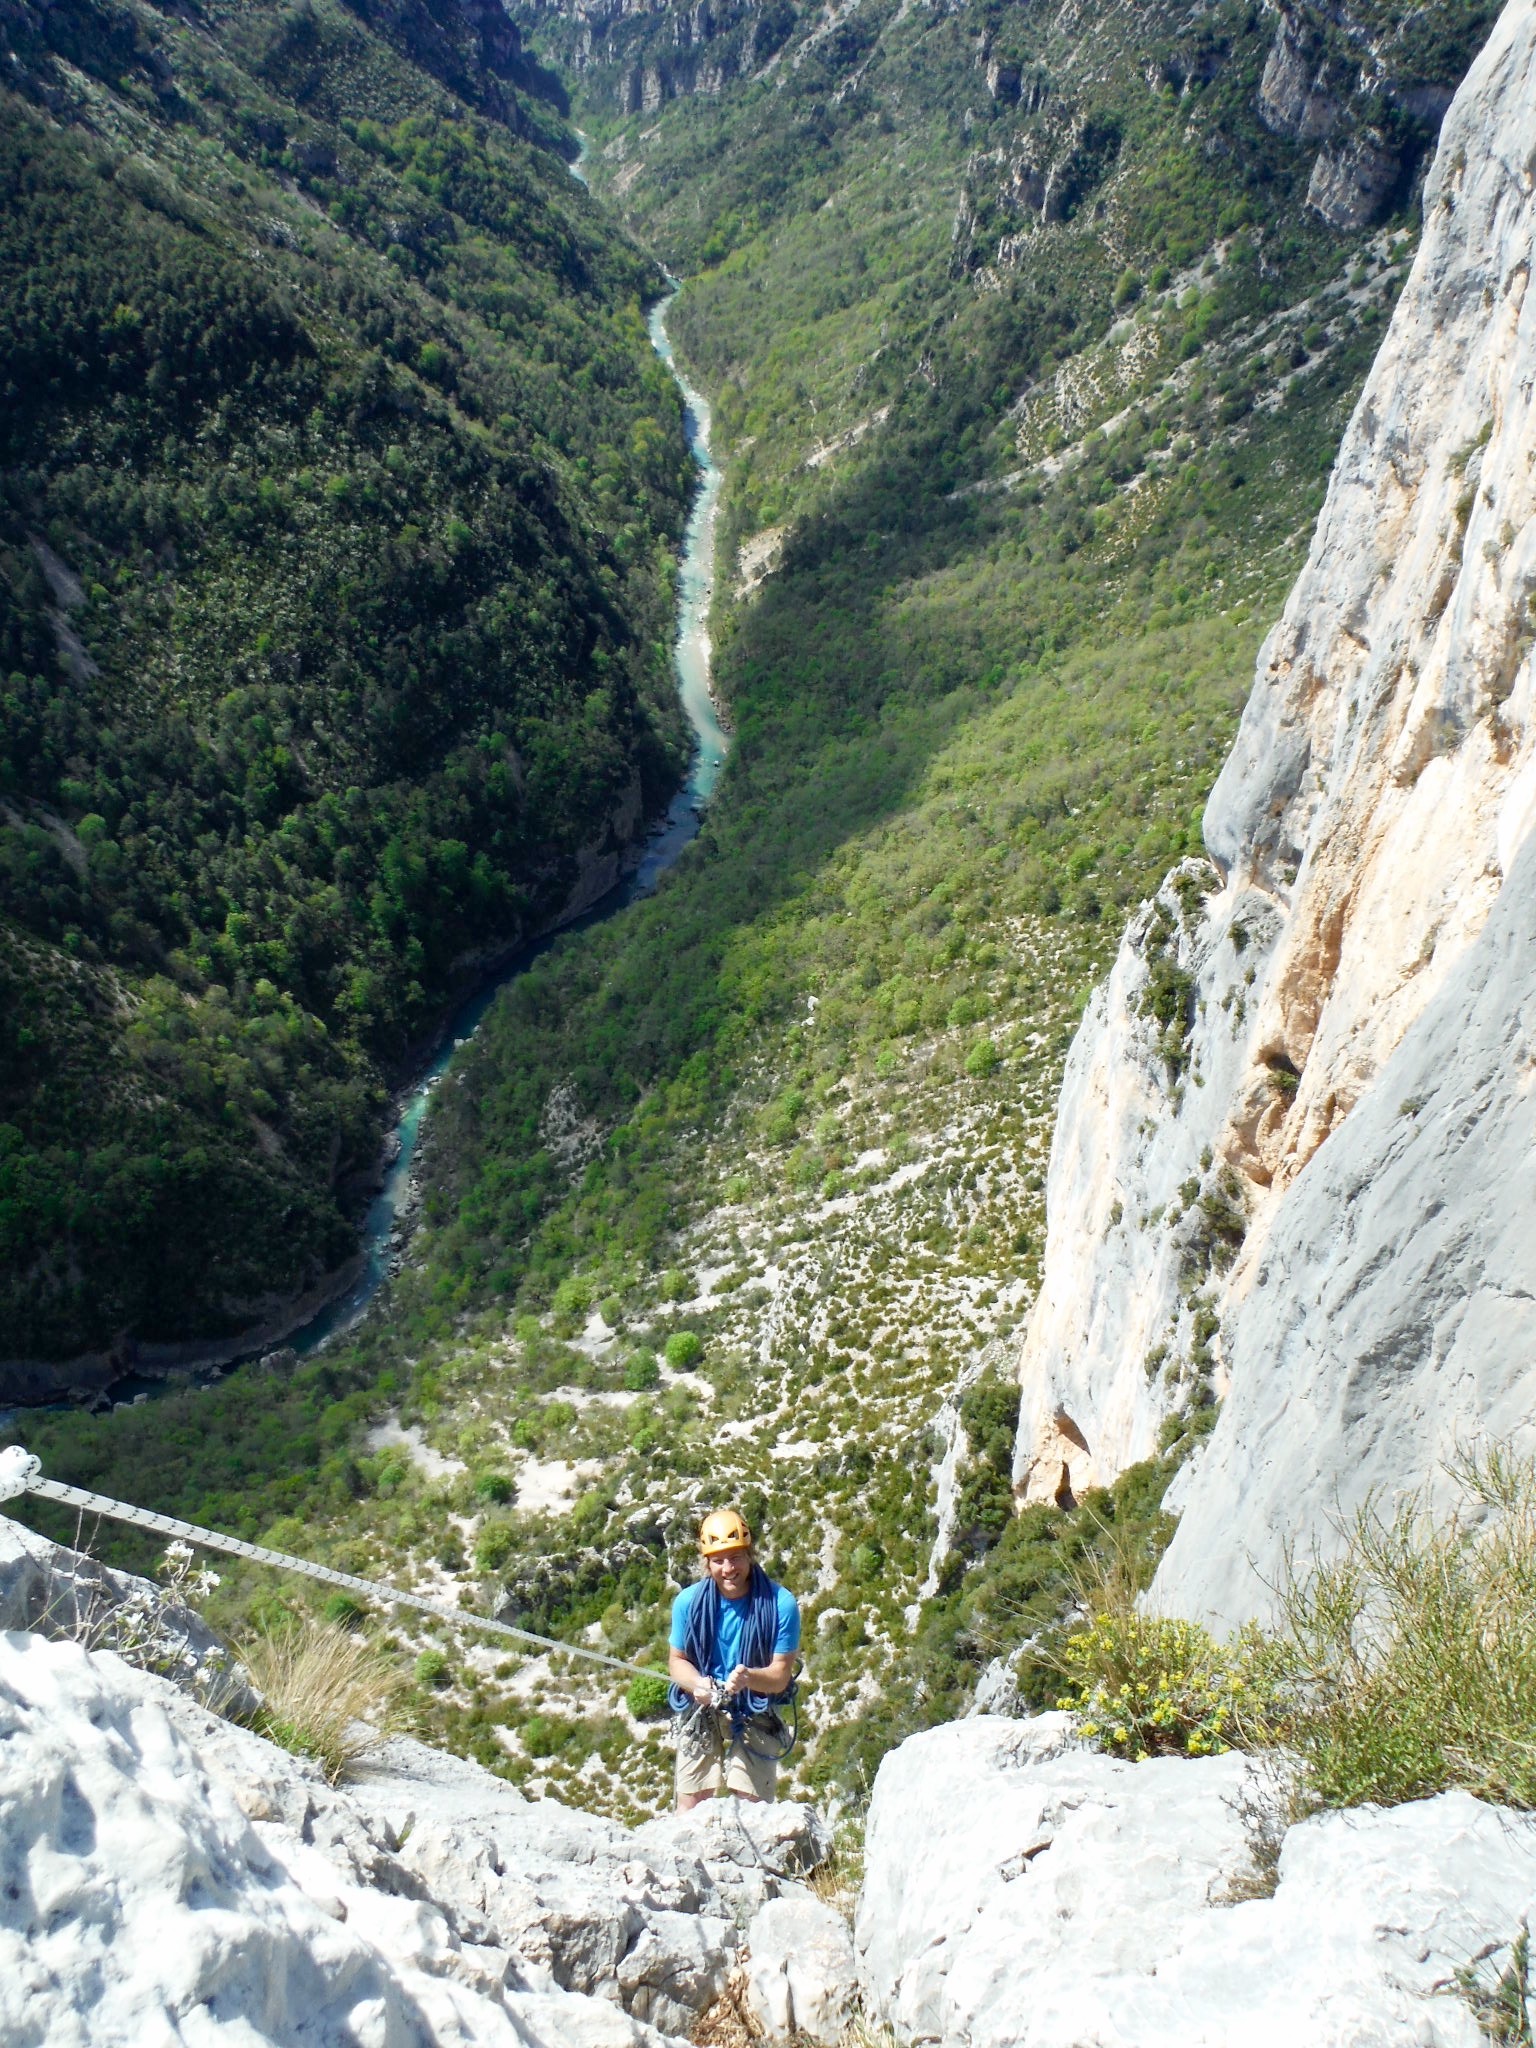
(1148, 1685)
(1411, 1659)
(642, 1372)
(545, 1734)
(981, 1060)
(343, 1610)
(647, 1696)
(493, 1546)
(431, 1668)
(495, 1487)
(684, 1350)
(573, 1297)
(324, 1691)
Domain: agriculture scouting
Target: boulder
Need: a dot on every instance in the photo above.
(160, 1865)
(676, 1968)
(1026, 1892)
(573, 1898)
(802, 1973)
(750, 1852)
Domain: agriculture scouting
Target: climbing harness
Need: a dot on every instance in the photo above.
(22, 1473)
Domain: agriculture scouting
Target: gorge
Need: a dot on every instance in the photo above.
(1064, 1109)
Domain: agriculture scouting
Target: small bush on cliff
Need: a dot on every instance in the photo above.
(1410, 1661)
(1148, 1685)
(647, 1696)
(1404, 1667)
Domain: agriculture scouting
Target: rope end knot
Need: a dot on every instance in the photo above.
(19, 1472)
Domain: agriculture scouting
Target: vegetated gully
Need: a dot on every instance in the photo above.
(666, 840)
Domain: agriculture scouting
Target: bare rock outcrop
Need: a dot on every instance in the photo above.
(471, 1913)
(1021, 1892)
(167, 1875)
(1365, 828)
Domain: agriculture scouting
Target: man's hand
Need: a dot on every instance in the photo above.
(737, 1682)
(703, 1692)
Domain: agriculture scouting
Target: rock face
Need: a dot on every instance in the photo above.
(1298, 95)
(1331, 71)
(1390, 1314)
(167, 1876)
(802, 1978)
(1244, 1089)
(1349, 185)
(1022, 1893)
(638, 54)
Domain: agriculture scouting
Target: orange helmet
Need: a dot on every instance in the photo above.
(724, 1530)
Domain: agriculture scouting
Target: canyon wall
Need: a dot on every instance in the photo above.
(1294, 1150)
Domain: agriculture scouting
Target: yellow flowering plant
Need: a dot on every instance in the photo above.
(1147, 1685)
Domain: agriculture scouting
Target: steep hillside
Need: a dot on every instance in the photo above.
(1303, 1182)
(743, 1193)
(338, 494)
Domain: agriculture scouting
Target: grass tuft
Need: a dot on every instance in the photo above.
(325, 1691)
(1501, 2008)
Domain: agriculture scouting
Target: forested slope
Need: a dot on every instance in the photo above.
(1032, 335)
(339, 490)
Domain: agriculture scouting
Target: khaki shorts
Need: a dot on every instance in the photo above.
(711, 1759)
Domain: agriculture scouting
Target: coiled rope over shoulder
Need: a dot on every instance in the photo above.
(701, 1625)
(22, 1473)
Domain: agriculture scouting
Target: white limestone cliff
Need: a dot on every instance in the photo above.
(1219, 1221)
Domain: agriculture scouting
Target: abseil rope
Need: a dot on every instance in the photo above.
(21, 1473)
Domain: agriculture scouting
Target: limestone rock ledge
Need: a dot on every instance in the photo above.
(1370, 819)
(1021, 1892)
(166, 1876)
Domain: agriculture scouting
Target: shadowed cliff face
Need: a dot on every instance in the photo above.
(473, 46)
(1356, 939)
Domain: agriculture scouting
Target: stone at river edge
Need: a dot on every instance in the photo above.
(1360, 1017)
(1021, 1892)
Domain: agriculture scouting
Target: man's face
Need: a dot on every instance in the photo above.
(731, 1571)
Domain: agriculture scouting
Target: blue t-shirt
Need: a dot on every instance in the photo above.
(733, 1619)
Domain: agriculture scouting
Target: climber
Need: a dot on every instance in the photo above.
(732, 1662)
